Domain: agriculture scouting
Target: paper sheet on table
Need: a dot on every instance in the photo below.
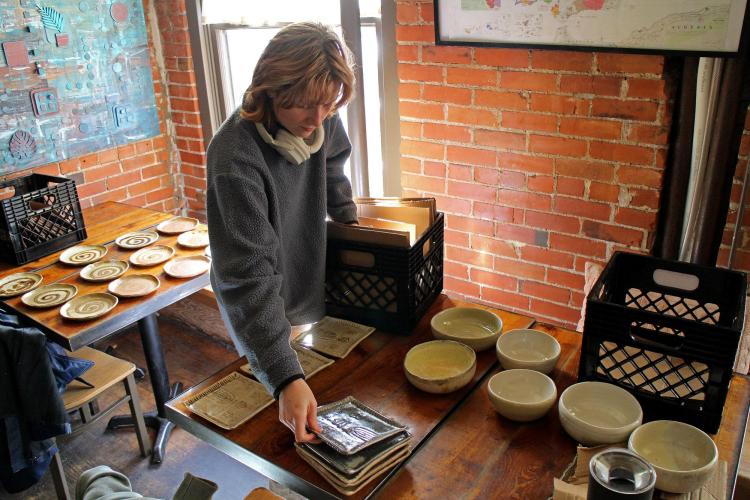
(231, 401)
(334, 337)
(311, 361)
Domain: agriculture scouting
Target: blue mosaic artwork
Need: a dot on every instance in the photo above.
(75, 77)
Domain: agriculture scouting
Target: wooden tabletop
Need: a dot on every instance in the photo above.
(104, 223)
(373, 374)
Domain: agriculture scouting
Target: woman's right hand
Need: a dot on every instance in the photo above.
(298, 410)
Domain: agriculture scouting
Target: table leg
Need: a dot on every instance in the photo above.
(157, 370)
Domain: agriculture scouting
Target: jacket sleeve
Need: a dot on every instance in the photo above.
(341, 208)
(245, 274)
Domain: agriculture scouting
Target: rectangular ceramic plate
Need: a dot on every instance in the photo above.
(349, 467)
(334, 337)
(349, 426)
(231, 401)
(311, 361)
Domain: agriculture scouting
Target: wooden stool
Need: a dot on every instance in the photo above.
(106, 372)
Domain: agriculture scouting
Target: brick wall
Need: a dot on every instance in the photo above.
(541, 160)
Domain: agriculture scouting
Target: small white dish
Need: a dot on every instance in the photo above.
(81, 255)
(134, 285)
(197, 238)
(595, 413)
(440, 366)
(477, 328)
(104, 270)
(530, 349)
(188, 266)
(521, 395)
(683, 456)
(177, 225)
(151, 256)
(136, 239)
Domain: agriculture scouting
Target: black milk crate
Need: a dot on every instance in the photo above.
(390, 288)
(42, 217)
(666, 331)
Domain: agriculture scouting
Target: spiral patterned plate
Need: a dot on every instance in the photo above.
(187, 267)
(50, 295)
(177, 225)
(104, 270)
(137, 239)
(89, 306)
(19, 283)
(150, 256)
(134, 285)
(83, 254)
(194, 239)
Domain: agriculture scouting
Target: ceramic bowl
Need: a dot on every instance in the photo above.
(595, 413)
(440, 366)
(530, 349)
(683, 456)
(477, 328)
(521, 395)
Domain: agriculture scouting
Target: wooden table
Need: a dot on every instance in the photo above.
(462, 448)
(104, 223)
(372, 373)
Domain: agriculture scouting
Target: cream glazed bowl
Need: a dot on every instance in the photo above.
(683, 456)
(521, 395)
(530, 349)
(477, 328)
(595, 413)
(440, 366)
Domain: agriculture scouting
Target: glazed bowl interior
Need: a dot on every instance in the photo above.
(440, 366)
(474, 327)
(521, 394)
(529, 349)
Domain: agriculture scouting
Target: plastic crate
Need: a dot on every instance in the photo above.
(42, 217)
(389, 288)
(667, 332)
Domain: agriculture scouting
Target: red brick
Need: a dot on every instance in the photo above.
(409, 90)
(512, 179)
(407, 53)
(108, 155)
(498, 139)
(185, 104)
(140, 148)
(91, 188)
(505, 299)
(471, 257)
(562, 60)
(421, 110)
(407, 13)
(116, 195)
(419, 73)
(471, 116)
(522, 199)
(625, 109)
(542, 291)
(553, 222)
(70, 166)
(193, 158)
(494, 246)
(525, 163)
(98, 173)
(446, 55)
(195, 182)
(600, 191)
(191, 132)
(423, 149)
(434, 169)
(493, 211)
(494, 280)
(499, 99)
(49, 169)
(648, 134)
(564, 278)
(469, 225)
(471, 76)
(639, 176)
(453, 205)
(629, 63)
(562, 146)
(520, 234)
(411, 129)
(636, 218)
(559, 104)
(482, 175)
(182, 77)
(577, 245)
(426, 14)
(456, 270)
(118, 181)
(144, 187)
(622, 153)
(155, 171)
(529, 121)
(415, 33)
(422, 183)
(502, 58)
(446, 132)
(541, 183)
(646, 88)
(161, 194)
(528, 81)
(546, 257)
(602, 129)
(471, 156)
(463, 287)
(585, 84)
(569, 315)
(647, 198)
(138, 162)
(519, 268)
(609, 232)
(583, 208)
(472, 191)
(442, 93)
(456, 238)
(182, 91)
(570, 187)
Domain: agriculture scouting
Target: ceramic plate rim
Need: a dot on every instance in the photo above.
(202, 258)
(33, 287)
(68, 250)
(142, 250)
(99, 262)
(121, 278)
(192, 231)
(66, 306)
(24, 298)
(131, 247)
(160, 226)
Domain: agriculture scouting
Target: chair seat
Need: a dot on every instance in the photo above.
(106, 372)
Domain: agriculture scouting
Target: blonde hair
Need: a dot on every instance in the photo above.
(305, 64)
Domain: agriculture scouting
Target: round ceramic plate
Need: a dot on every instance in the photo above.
(187, 267)
(104, 270)
(89, 306)
(177, 225)
(150, 256)
(83, 254)
(50, 295)
(19, 283)
(137, 239)
(197, 238)
(134, 285)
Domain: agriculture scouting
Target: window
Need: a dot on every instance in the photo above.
(233, 34)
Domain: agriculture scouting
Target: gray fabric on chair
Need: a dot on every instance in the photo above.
(104, 483)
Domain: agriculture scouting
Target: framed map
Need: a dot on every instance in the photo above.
(704, 27)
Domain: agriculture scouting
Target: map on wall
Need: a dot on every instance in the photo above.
(658, 25)
(75, 77)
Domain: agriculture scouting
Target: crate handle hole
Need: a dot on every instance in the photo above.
(672, 279)
(356, 258)
(656, 339)
(41, 203)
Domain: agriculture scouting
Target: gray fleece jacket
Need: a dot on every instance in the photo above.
(266, 223)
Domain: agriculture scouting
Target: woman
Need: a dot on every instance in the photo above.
(275, 168)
